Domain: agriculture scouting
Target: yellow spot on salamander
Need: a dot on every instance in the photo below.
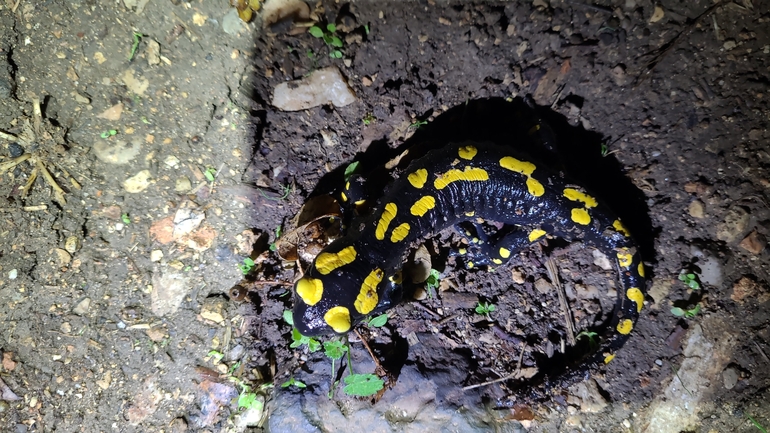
(534, 187)
(620, 228)
(397, 277)
(471, 174)
(387, 216)
(624, 258)
(575, 195)
(360, 202)
(504, 253)
(470, 214)
(536, 234)
(400, 232)
(347, 185)
(469, 265)
(467, 152)
(609, 358)
(640, 270)
(367, 297)
(580, 216)
(533, 130)
(636, 295)
(310, 290)
(497, 261)
(327, 262)
(344, 197)
(462, 251)
(338, 318)
(418, 178)
(423, 205)
(625, 326)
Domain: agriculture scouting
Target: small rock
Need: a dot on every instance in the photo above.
(183, 185)
(72, 244)
(82, 307)
(156, 255)
(601, 260)
(105, 381)
(729, 45)
(735, 223)
(171, 161)
(113, 113)
(420, 294)
(80, 99)
(753, 243)
(543, 286)
(64, 257)
(138, 182)
(213, 309)
(711, 271)
(156, 334)
(696, 209)
(278, 10)
(730, 377)
(619, 74)
(324, 86)
(231, 23)
(453, 301)
(168, 291)
(153, 52)
(657, 14)
(12, 274)
(178, 425)
(746, 288)
(65, 328)
(118, 152)
(236, 352)
(587, 396)
(517, 276)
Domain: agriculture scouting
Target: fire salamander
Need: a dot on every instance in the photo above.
(356, 275)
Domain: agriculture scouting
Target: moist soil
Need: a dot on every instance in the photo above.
(123, 300)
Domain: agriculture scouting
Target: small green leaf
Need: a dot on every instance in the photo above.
(310, 54)
(210, 174)
(337, 54)
(334, 349)
(678, 312)
(331, 28)
(379, 321)
(366, 28)
(694, 285)
(216, 355)
(433, 280)
(313, 345)
(350, 170)
(288, 317)
(316, 31)
(362, 385)
(336, 42)
(126, 220)
(327, 39)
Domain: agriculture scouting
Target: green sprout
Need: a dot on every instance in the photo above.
(247, 265)
(248, 400)
(756, 424)
(432, 282)
(109, 133)
(334, 350)
(379, 321)
(298, 340)
(417, 124)
(368, 119)
(288, 317)
(687, 314)
(216, 355)
(330, 38)
(126, 220)
(350, 170)
(278, 233)
(144, 120)
(590, 335)
(287, 189)
(294, 382)
(233, 367)
(210, 173)
(366, 28)
(485, 308)
(362, 385)
(137, 39)
(690, 279)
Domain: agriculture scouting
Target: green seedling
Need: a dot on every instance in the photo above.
(756, 424)
(288, 317)
(605, 150)
(432, 283)
(137, 40)
(126, 220)
(687, 314)
(590, 335)
(144, 120)
(379, 321)
(350, 170)
(216, 355)
(247, 265)
(210, 173)
(362, 385)
(109, 133)
(690, 279)
(278, 233)
(334, 350)
(330, 38)
(233, 367)
(417, 124)
(368, 119)
(485, 308)
(287, 189)
(294, 382)
(247, 400)
(366, 28)
(298, 340)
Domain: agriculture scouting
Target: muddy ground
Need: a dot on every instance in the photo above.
(117, 307)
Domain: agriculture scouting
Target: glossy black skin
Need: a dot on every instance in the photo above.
(503, 198)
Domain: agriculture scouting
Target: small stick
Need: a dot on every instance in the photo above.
(378, 366)
(761, 352)
(9, 137)
(550, 265)
(502, 379)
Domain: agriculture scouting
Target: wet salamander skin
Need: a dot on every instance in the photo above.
(354, 275)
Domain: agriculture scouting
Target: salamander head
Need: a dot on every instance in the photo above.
(337, 301)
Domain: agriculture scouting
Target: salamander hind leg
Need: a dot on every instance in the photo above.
(496, 249)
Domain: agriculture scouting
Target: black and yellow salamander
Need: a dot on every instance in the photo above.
(356, 275)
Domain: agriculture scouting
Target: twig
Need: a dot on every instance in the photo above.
(35, 208)
(761, 352)
(378, 366)
(553, 274)
(9, 137)
(502, 379)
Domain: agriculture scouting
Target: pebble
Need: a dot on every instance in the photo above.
(543, 286)
(72, 244)
(324, 86)
(711, 271)
(213, 309)
(231, 23)
(735, 223)
(753, 243)
(82, 307)
(12, 274)
(730, 377)
(138, 182)
(156, 255)
(63, 256)
(117, 152)
(601, 260)
(183, 185)
(696, 209)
